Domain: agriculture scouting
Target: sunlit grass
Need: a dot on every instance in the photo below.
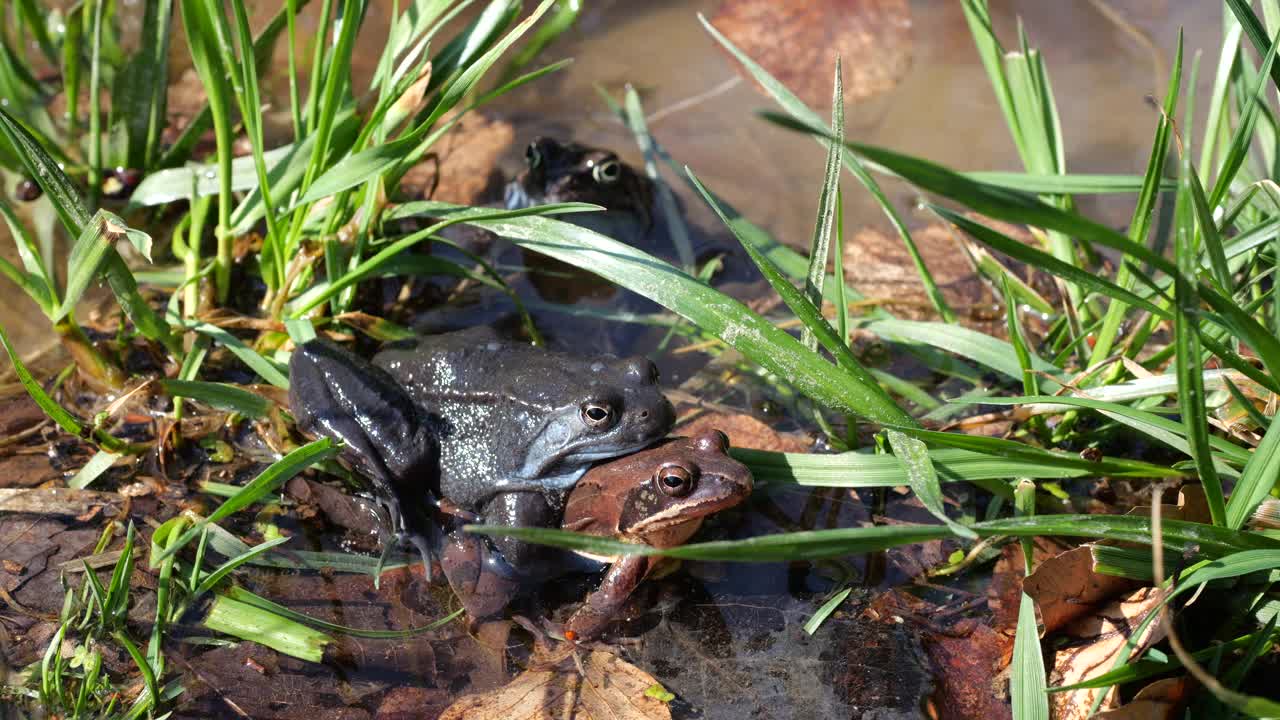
(325, 208)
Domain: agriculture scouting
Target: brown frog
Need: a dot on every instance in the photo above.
(657, 497)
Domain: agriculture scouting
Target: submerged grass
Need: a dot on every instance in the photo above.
(323, 209)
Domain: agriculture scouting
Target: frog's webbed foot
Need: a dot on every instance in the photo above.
(551, 647)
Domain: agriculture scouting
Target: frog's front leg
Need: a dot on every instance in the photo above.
(603, 605)
(522, 509)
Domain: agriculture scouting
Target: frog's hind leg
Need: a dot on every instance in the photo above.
(338, 394)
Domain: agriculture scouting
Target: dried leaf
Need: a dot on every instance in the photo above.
(1066, 587)
(1096, 641)
(610, 688)
(798, 42)
(1161, 700)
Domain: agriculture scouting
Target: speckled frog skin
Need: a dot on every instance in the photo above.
(510, 417)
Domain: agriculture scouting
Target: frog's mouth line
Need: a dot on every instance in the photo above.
(676, 516)
(579, 460)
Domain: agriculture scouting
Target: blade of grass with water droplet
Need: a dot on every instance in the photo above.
(715, 312)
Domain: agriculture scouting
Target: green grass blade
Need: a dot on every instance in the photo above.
(1154, 426)
(86, 257)
(50, 407)
(1255, 30)
(1188, 355)
(1140, 222)
(806, 116)
(715, 312)
(805, 310)
(1238, 147)
(1143, 669)
(148, 675)
(979, 347)
(633, 115)
(1263, 552)
(820, 245)
(388, 254)
(992, 201)
(259, 364)
(208, 582)
(923, 479)
(219, 395)
(821, 614)
(241, 595)
(61, 192)
(1027, 677)
(869, 470)
(1069, 184)
(92, 470)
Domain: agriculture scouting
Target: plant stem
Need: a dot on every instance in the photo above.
(86, 356)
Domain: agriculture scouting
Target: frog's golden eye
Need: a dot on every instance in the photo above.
(674, 480)
(597, 415)
(532, 155)
(607, 172)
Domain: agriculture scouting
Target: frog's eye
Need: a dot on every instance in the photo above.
(532, 155)
(597, 415)
(674, 480)
(607, 172)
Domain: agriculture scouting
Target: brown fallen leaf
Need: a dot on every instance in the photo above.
(1161, 700)
(1066, 587)
(1095, 641)
(745, 431)
(798, 41)
(610, 688)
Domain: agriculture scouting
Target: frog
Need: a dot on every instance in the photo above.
(470, 426)
(557, 172)
(657, 497)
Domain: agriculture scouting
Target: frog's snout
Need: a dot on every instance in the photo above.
(641, 370)
(653, 420)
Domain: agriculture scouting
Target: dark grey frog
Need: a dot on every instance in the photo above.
(482, 427)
